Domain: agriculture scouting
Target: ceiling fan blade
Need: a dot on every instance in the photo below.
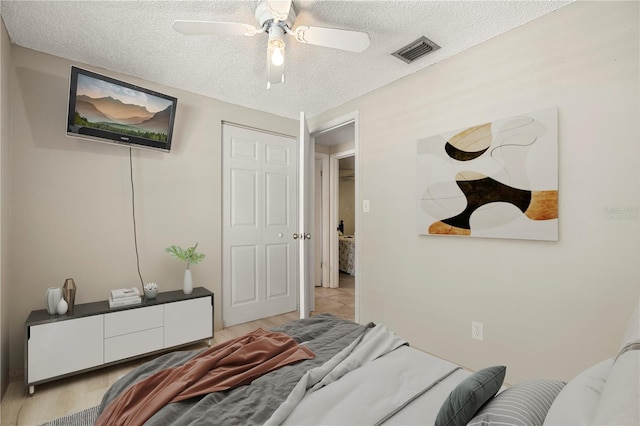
(353, 41)
(279, 9)
(213, 28)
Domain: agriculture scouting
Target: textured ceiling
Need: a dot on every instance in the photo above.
(136, 38)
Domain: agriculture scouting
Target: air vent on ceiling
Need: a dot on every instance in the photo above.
(416, 50)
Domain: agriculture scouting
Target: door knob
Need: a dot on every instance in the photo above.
(306, 236)
(295, 236)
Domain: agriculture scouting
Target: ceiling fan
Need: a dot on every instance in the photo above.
(276, 18)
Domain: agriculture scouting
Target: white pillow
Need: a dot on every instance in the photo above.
(576, 402)
(619, 402)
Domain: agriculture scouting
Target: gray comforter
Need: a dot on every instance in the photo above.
(324, 334)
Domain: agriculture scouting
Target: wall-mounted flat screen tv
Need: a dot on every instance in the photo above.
(104, 109)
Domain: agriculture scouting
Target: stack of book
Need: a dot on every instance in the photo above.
(124, 297)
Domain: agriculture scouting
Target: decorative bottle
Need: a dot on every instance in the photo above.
(69, 293)
(62, 307)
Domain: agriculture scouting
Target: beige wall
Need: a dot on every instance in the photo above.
(346, 189)
(346, 204)
(5, 58)
(549, 309)
(333, 149)
(346, 146)
(323, 149)
(72, 197)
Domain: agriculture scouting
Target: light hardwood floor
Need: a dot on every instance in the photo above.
(62, 397)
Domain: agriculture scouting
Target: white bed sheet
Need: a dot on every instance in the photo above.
(370, 393)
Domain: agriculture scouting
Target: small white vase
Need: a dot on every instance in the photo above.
(54, 294)
(62, 307)
(150, 294)
(187, 286)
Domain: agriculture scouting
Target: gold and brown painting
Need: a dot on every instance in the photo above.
(494, 180)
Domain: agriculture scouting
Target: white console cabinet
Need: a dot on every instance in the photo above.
(134, 331)
(186, 322)
(95, 336)
(56, 348)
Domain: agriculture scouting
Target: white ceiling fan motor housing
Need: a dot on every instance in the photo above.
(265, 18)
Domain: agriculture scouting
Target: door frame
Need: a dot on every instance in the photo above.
(322, 127)
(324, 217)
(334, 183)
(306, 195)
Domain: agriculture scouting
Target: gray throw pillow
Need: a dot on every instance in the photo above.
(523, 404)
(471, 394)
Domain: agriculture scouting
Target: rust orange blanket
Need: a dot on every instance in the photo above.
(224, 366)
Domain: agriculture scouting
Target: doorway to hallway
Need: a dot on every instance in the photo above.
(337, 140)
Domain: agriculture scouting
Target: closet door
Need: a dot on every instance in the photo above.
(260, 202)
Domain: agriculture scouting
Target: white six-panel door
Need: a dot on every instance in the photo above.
(260, 205)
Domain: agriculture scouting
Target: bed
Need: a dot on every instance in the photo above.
(365, 375)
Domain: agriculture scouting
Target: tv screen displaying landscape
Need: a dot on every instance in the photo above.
(105, 108)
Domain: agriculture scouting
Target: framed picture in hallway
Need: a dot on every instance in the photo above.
(493, 180)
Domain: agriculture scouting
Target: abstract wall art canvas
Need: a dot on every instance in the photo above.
(494, 180)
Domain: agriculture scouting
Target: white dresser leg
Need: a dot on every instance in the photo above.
(32, 389)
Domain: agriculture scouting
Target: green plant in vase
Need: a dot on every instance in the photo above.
(190, 256)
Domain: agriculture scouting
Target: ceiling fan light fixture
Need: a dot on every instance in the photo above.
(275, 56)
(275, 46)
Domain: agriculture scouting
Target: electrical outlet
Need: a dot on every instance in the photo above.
(476, 331)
